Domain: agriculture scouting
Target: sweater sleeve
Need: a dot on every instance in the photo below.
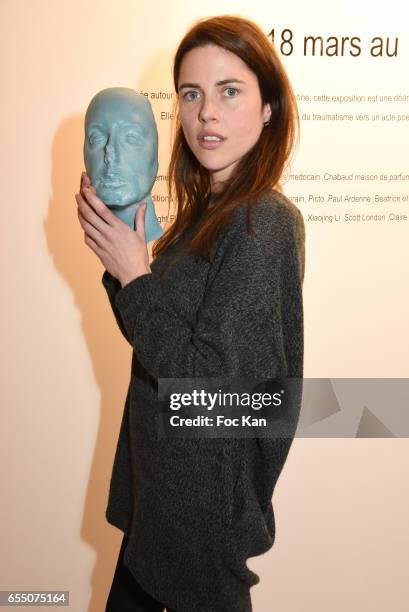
(112, 286)
(241, 313)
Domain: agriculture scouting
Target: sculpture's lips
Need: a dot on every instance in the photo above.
(112, 182)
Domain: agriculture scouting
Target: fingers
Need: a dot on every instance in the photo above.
(91, 233)
(89, 214)
(94, 209)
(99, 207)
(92, 244)
(85, 181)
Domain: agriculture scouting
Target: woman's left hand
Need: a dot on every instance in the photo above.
(122, 251)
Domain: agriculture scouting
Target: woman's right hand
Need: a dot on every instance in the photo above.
(122, 251)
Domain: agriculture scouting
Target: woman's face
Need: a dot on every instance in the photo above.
(219, 94)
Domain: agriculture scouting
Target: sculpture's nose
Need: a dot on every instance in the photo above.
(110, 155)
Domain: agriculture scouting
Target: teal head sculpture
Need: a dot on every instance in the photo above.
(121, 154)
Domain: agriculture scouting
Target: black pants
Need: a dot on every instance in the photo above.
(126, 594)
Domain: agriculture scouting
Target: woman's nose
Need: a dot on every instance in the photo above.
(208, 110)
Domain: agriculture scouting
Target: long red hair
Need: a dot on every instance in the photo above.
(260, 170)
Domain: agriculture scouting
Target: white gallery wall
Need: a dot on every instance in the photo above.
(341, 504)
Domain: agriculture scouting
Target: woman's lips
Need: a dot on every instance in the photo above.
(210, 144)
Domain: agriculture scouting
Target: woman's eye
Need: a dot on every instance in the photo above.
(187, 95)
(233, 89)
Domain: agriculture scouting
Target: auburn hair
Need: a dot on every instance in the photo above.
(260, 169)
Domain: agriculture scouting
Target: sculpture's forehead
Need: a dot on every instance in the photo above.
(106, 108)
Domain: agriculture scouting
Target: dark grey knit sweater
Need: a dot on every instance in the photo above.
(196, 509)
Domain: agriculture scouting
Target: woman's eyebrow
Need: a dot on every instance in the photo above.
(223, 82)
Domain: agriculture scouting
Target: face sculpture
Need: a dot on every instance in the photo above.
(121, 154)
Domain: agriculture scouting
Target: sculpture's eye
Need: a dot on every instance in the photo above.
(134, 139)
(95, 139)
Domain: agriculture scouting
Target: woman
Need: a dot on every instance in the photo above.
(222, 298)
